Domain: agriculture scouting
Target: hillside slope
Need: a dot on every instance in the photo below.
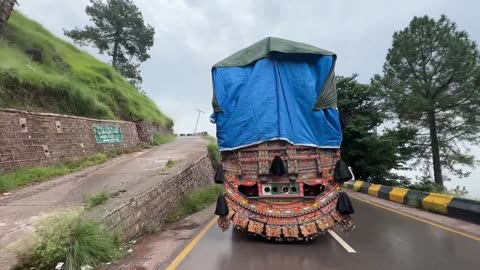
(67, 80)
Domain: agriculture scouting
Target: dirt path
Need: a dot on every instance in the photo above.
(130, 175)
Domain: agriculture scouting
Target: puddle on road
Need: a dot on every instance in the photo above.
(185, 226)
(183, 238)
(116, 193)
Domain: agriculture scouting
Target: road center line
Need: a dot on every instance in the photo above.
(342, 242)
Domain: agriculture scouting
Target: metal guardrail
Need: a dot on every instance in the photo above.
(204, 133)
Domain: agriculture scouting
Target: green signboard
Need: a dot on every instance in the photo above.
(108, 133)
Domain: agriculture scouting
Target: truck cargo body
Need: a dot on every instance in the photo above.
(279, 134)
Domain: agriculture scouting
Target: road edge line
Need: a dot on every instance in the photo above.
(342, 242)
(418, 219)
(178, 260)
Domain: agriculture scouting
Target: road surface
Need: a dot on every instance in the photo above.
(382, 240)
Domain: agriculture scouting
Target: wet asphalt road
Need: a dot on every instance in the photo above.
(381, 240)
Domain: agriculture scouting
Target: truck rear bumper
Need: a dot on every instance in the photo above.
(295, 221)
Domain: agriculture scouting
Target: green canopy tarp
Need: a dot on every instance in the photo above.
(264, 47)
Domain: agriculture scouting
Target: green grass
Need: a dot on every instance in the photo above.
(194, 202)
(170, 164)
(69, 238)
(214, 152)
(97, 198)
(68, 80)
(159, 139)
(23, 177)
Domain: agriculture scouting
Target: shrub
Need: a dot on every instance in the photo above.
(95, 199)
(171, 163)
(194, 202)
(67, 238)
(214, 152)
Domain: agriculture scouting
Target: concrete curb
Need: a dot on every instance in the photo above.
(459, 208)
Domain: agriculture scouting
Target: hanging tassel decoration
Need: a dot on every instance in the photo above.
(342, 172)
(278, 168)
(219, 175)
(223, 223)
(222, 211)
(222, 206)
(346, 225)
(344, 205)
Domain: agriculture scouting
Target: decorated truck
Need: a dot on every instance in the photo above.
(279, 132)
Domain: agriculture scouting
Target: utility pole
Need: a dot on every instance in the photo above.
(198, 118)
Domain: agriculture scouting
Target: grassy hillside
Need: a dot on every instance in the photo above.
(67, 81)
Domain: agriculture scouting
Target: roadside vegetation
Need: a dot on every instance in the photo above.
(194, 202)
(25, 176)
(98, 198)
(214, 152)
(159, 139)
(65, 79)
(170, 164)
(71, 239)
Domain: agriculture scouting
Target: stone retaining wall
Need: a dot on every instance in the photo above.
(150, 209)
(33, 139)
(145, 132)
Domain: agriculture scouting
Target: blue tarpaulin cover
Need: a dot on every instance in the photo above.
(276, 97)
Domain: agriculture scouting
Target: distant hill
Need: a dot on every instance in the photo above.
(66, 80)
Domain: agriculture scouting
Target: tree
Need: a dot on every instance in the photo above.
(432, 81)
(119, 30)
(372, 156)
(131, 71)
(6, 8)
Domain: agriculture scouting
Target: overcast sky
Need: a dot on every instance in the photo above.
(192, 35)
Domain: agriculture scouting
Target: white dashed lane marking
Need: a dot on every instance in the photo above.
(344, 244)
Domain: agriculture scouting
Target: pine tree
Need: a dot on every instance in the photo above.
(120, 31)
(432, 82)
